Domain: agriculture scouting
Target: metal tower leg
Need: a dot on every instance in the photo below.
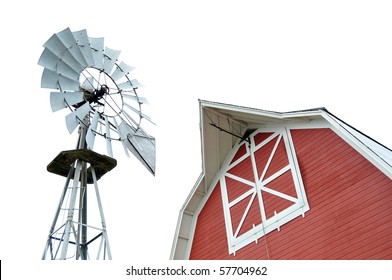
(103, 223)
(69, 225)
(49, 244)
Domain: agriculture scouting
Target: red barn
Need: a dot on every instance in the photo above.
(296, 185)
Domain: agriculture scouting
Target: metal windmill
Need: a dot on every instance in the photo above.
(102, 101)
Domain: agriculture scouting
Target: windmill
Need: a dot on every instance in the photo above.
(102, 101)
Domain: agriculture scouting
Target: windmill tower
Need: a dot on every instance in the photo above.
(102, 100)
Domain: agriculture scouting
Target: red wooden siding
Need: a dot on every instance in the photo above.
(244, 169)
(210, 233)
(263, 154)
(273, 203)
(279, 161)
(241, 151)
(350, 214)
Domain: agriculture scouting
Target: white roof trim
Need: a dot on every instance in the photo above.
(375, 152)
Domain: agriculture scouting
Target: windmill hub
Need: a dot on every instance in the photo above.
(101, 91)
(99, 94)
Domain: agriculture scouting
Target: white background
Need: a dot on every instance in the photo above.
(272, 55)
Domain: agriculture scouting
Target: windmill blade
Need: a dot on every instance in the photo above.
(130, 84)
(54, 80)
(83, 42)
(129, 118)
(59, 100)
(50, 61)
(109, 59)
(135, 83)
(69, 41)
(73, 119)
(56, 46)
(107, 137)
(121, 70)
(90, 136)
(139, 99)
(143, 148)
(88, 84)
(144, 116)
(97, 46)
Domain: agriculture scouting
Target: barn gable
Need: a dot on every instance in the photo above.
(253, 181)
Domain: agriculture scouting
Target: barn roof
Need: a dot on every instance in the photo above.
(222, 125)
